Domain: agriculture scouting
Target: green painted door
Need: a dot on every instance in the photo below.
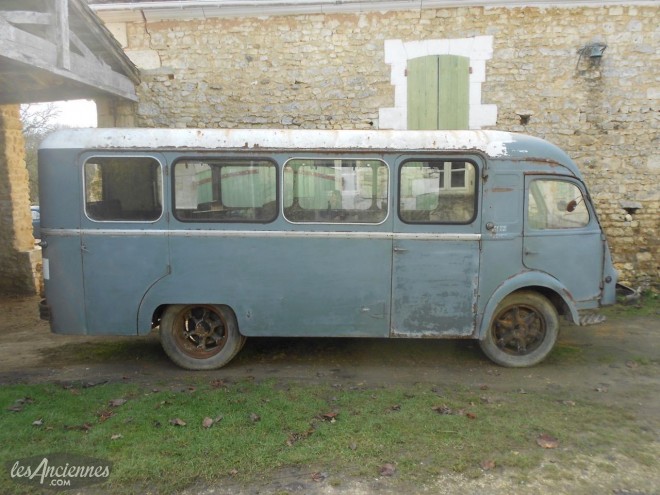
(438, 92)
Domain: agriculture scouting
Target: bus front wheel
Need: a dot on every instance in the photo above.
(200, 336)
(523, 330)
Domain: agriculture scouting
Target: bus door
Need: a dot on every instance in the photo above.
(123, 238)
(562, 236)
(436, 248)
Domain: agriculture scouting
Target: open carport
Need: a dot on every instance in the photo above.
(49, 51)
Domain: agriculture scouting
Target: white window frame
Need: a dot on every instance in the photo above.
(478, 49)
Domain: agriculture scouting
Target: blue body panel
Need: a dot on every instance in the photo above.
(286, 286)
(434, 289)
(60, 204)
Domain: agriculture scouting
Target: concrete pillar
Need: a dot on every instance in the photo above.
(19, 260)
(113, 112)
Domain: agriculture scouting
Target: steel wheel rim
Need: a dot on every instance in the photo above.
(519, 330)
(200, 331)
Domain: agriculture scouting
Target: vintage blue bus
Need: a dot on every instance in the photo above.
(212, 236)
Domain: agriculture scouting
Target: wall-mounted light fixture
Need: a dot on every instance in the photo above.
(593, 52)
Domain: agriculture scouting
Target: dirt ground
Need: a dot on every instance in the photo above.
(617, 362)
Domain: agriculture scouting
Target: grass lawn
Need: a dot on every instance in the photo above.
(158, 438)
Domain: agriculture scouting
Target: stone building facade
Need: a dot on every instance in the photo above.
(533, 70)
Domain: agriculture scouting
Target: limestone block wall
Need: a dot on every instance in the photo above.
(19, 259)
(332, 71)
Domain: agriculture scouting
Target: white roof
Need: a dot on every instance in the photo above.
(492, 143)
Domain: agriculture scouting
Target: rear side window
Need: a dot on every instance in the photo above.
(555, 204)
(225, 191)
(437, 191)
(123, 188)
(335, 191)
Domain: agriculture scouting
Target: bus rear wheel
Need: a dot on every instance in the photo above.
(523, 330)
(200, 336)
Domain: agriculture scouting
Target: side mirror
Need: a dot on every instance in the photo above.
(570, 207)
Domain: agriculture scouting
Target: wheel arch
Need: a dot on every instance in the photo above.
(531, 281)
(148, 320)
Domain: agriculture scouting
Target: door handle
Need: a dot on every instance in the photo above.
(400, 250)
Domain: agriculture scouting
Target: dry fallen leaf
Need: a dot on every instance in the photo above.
(471, 415)
(105, 415)
(83, 427)
(254, 417)
(94, 384)
(19, 403)
(319, 476)
(38, 422)
(443, 409)
(177, 422)
(207, 422)
(117, 402)
(487, 464)
(117, 436)
(330, 416)
(163, 403)
(547, 441)
(296, 437)
(387, 469)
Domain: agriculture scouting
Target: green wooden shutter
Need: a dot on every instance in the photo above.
(423, 93)
(454, 99)
(438, 92)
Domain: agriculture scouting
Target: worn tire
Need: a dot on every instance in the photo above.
(200, 336)
(523, 330)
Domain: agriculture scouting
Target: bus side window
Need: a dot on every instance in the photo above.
(223, 190)
(123, 188)
(335, 191)
(555, 204)
(437, 191)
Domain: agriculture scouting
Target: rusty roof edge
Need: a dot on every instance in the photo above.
(496, 144)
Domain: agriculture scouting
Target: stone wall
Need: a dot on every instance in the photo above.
(19, 259)
(330, 71)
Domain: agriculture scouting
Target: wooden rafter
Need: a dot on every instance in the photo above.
(62, 52)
